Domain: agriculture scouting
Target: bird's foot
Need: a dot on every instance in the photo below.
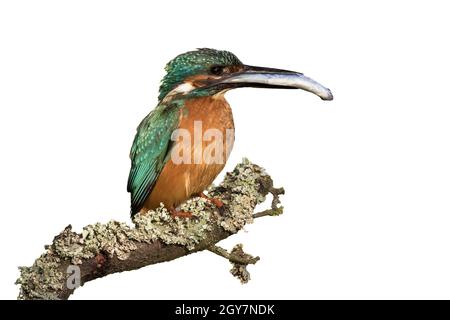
(217, 202)
(179, 213)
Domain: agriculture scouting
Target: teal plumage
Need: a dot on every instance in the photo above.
(149, 152)
(191, 63)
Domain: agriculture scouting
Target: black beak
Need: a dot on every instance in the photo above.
(261, 77)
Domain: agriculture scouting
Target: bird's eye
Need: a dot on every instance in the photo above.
(216, 70)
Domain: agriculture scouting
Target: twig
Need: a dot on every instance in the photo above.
(276, 209)
(241, 259)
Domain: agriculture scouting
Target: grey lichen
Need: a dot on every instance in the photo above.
(243, 183)
(110, 238)
(159, 224)
(42, 280)
(241, 190)
(120, 239)
(240, 270)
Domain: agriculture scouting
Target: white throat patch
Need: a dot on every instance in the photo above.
(183, 88)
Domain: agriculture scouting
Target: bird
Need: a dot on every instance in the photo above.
(184, 142)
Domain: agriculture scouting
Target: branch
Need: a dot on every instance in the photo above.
(276, 209)
(233, 257)
(102, 249)
(238, 258)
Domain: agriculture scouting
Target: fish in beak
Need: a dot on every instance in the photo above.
(261, 77)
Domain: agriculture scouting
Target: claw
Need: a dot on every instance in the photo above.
(180, 214)
(217, 202)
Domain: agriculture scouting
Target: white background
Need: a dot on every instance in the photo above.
(367, 175)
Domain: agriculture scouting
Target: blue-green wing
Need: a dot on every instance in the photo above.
(149, 152)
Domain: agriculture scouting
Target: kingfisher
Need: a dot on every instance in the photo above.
(183, 144)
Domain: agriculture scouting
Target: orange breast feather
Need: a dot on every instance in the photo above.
(205, 138)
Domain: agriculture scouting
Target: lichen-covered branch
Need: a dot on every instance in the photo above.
(101, 249)
(238, 258)
(233, 258)
(276, 208)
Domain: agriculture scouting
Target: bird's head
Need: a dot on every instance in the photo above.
(207, 72)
